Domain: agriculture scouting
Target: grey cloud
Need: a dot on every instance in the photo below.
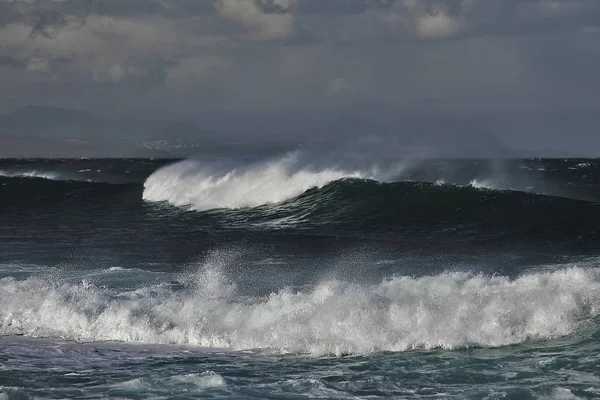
(9, 13)
(141, 73)
(262, 20)
(531, 16)
(42, 13)
(340, 7)
(190, 54)
(430, 20)
(50, 22)
(11, 62)
(286, 19)
(37, 62)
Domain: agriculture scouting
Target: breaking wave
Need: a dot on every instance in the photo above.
(483, 184)
(202, 187)
(31, 174)
(284, 193)
(449, 311)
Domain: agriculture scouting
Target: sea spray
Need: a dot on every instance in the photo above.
(450, 310)
(205, 185)
(192, 183)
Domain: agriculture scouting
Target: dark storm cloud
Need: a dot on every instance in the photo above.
(191, 54)
(50, 22)
(35, 10)
(426, 19)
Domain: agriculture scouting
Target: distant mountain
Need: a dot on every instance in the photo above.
(22, 146)
(393, 132)
(35, 131)
(495, 133)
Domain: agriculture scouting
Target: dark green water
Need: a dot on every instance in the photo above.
(288, 278)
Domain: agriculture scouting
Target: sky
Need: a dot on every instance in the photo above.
(176, 58)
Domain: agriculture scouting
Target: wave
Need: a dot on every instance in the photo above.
(484, 184)
(60, 185)
(448, 311)
(319, 201)
(202, 187)
(50, 175)
(417, 212)
(362, 199)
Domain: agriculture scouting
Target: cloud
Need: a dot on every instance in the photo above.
(197, 70)
(51, 22)
(37, 64)
(300, 53)
(106, 49)
(11, 62)
(263, 20)
(429, 20)
(339, 85)
(141, 72)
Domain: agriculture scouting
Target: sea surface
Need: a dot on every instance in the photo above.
(300, 276)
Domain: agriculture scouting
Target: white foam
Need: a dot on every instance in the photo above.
(450, 310)
(191, 183)
(203, 186)
(133, 385)
(563, 394)
(208, 379)
(31, 174)
(188, 382)
(483, 184)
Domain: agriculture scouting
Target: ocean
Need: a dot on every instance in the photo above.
(296, 276)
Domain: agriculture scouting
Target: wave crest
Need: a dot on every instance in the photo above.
(216, 185)
(204, 187)
(31, 174)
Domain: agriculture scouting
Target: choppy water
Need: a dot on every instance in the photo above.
(298, 277)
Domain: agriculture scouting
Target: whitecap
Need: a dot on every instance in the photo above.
(449, 311)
